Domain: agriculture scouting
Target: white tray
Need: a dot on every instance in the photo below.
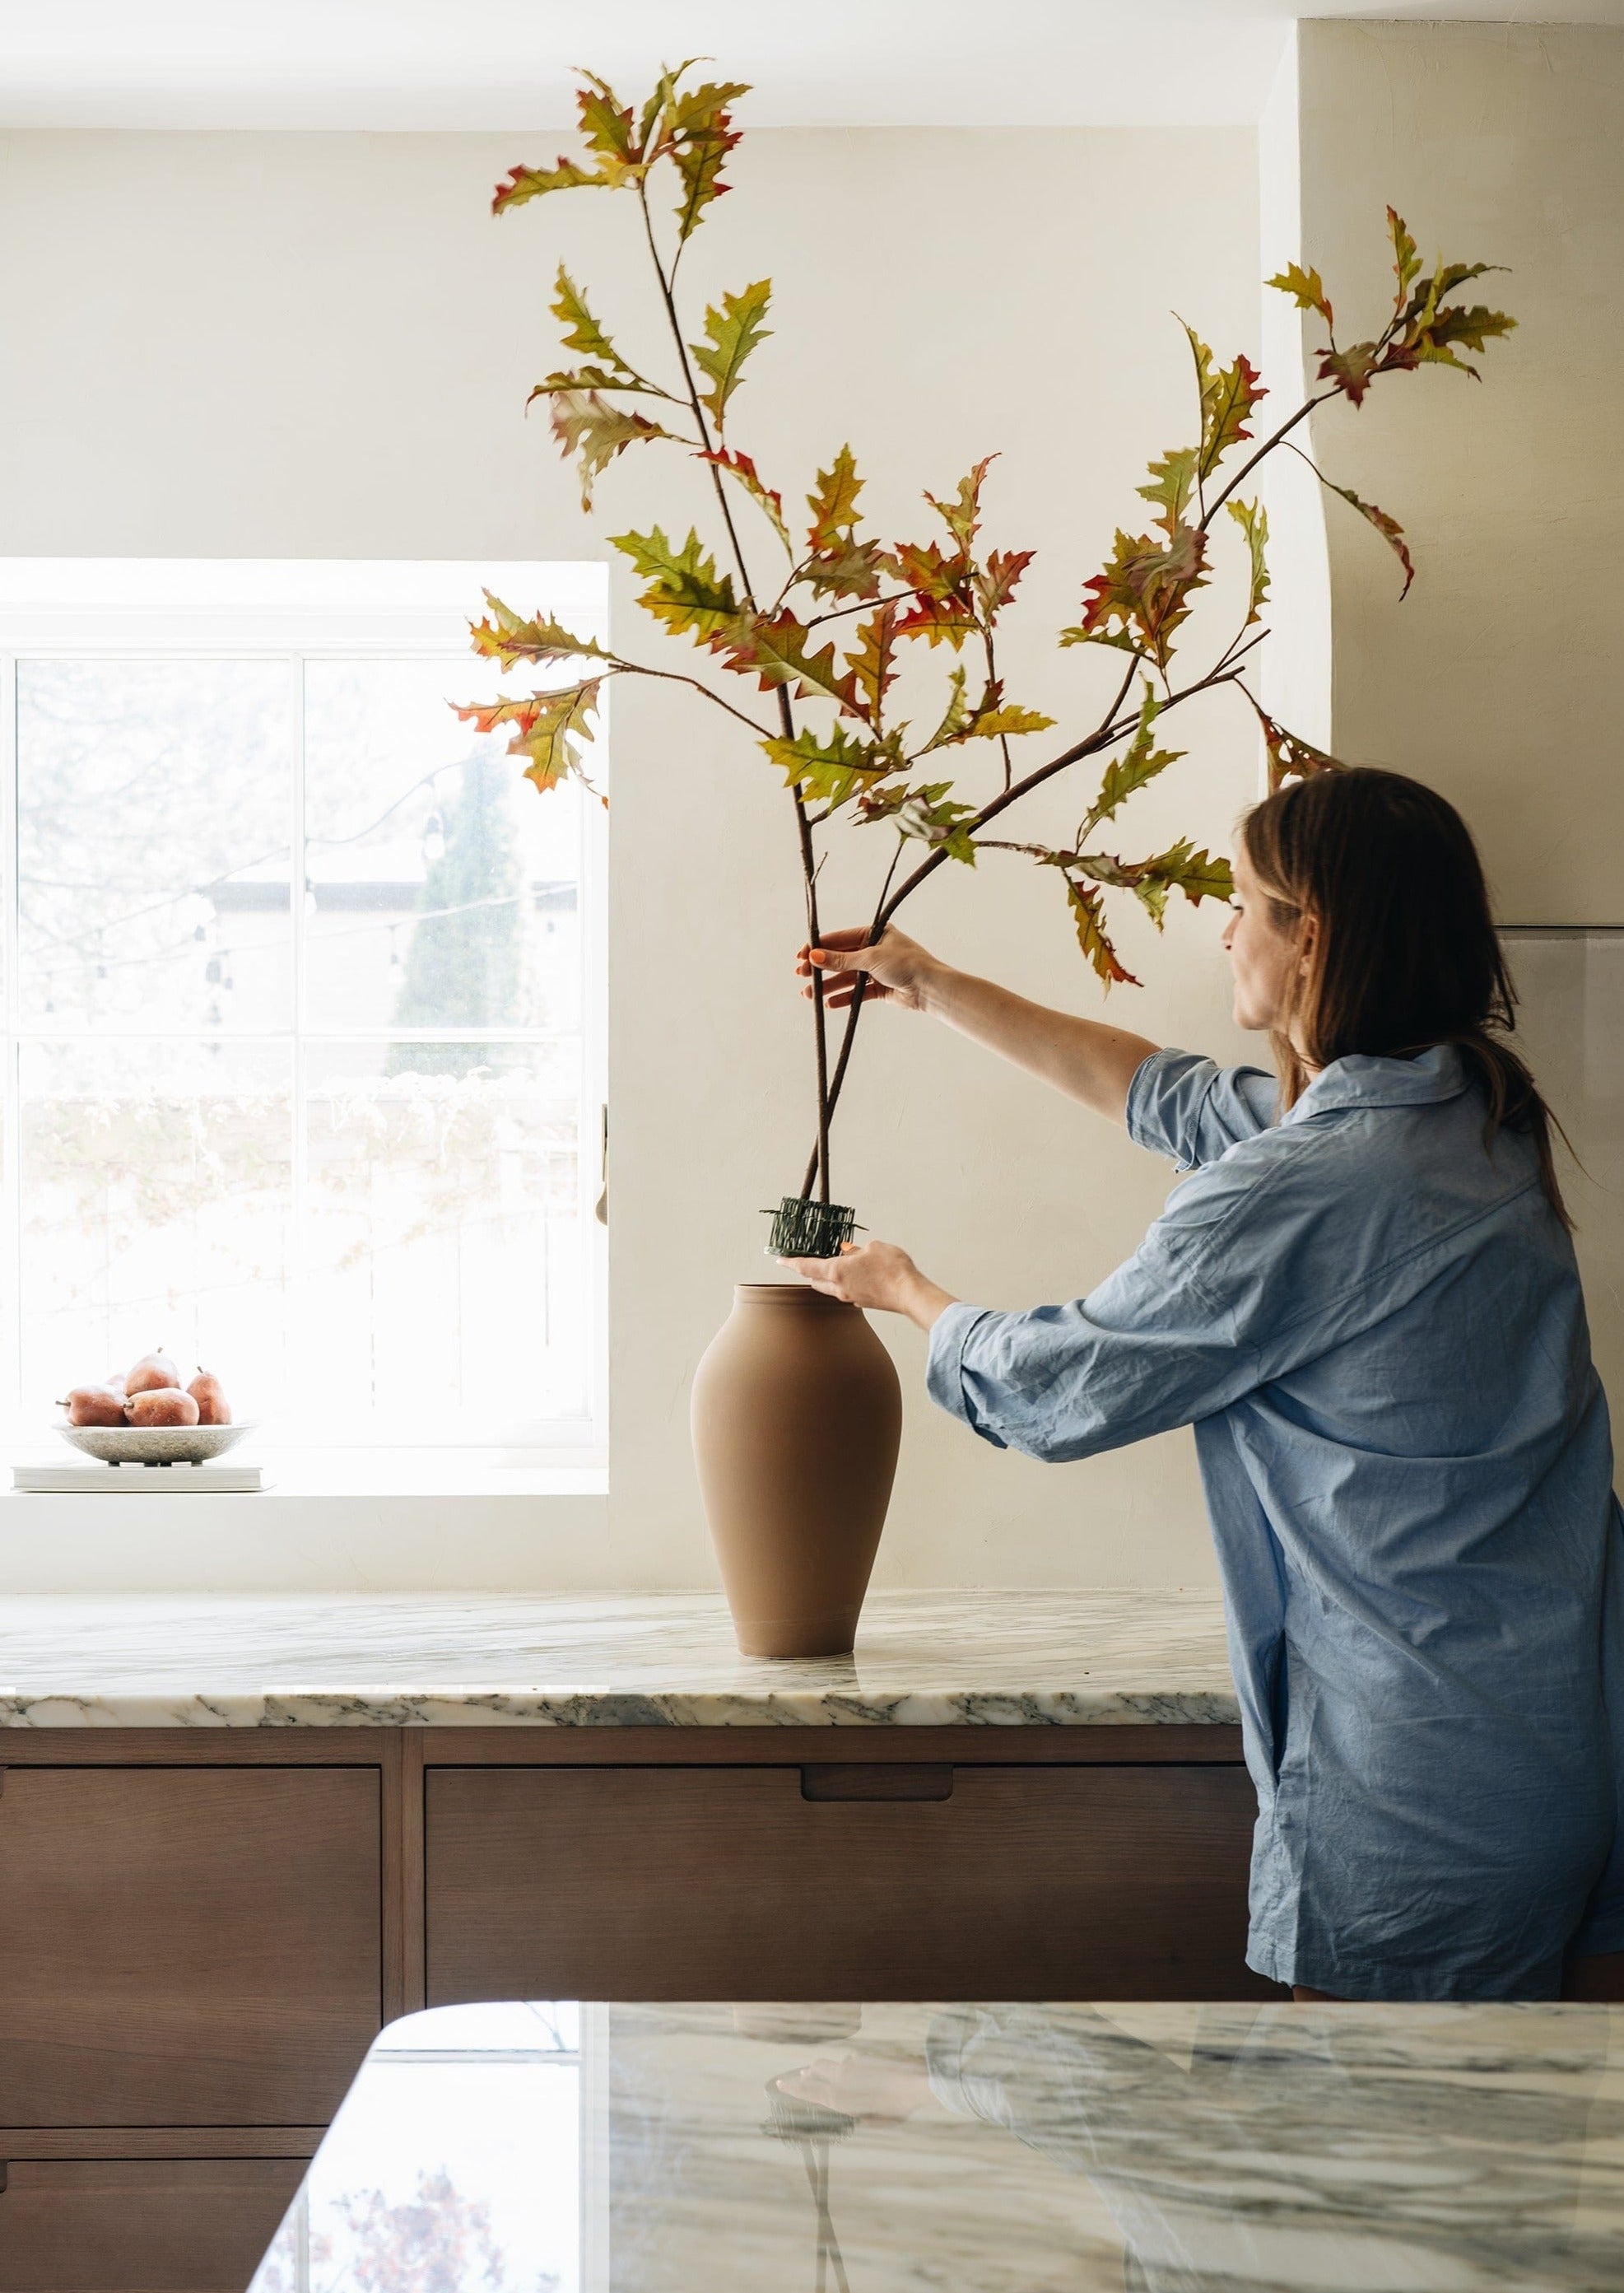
(138, 1480)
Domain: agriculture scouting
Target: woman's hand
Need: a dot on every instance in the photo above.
(877, 1275)
(897, 967)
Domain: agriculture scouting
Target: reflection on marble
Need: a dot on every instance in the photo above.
(984, 1659)
(1070, 2149)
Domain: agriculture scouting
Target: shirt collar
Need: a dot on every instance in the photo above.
(1363, 1081)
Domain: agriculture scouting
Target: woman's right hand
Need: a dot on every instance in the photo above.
(897, 967)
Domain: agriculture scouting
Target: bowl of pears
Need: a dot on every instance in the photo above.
(145, 1416)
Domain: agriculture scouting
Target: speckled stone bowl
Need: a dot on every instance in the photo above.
(154, 1445)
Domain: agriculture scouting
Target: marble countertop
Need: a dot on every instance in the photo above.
(981, 1659)
(1067, 2149)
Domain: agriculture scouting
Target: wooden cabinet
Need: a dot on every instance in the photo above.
(186, 1946)
(201, 1931)
(929, 1881)
(187, 2225)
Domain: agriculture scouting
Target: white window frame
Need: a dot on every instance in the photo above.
(64, 609)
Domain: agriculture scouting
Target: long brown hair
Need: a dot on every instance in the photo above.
(1403, 953)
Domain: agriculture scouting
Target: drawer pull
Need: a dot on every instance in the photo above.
(896, 1781)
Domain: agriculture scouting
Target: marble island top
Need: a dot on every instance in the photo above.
(971, 1659)
(983, 2149)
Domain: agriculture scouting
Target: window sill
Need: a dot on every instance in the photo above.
(371, 1473)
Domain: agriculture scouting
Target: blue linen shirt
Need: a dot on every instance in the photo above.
(1373, 1319)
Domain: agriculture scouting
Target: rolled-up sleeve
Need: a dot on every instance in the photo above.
(1183, 1329)
(1193, 1110)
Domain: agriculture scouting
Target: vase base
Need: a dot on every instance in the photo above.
(795, 1642)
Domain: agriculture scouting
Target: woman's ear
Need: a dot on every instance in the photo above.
(1308, 943)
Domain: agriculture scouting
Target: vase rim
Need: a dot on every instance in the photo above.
(787, 1294)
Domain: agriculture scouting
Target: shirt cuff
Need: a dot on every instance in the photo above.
(944, 1368)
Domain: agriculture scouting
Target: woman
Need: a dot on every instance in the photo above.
(1365, 1301)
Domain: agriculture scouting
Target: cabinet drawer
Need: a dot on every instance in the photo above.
(734, 1882)
(141, 2227)
(185, 1947)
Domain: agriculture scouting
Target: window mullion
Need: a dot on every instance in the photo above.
(298, 894)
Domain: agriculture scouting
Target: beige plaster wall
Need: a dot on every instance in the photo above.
(1500, 678)
(316, 346)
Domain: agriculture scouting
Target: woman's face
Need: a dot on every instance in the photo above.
(1262, 955)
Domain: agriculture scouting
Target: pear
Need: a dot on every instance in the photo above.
(213, 1407)
(161, 1405)
(94, 1405)
(151, 1373)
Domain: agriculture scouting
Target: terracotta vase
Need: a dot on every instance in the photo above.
(797, 1419)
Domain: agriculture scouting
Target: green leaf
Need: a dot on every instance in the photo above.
(582, 331)
(1173, 482)
(1252, 519)
(595, 432)
(831, 771)
(1305, 287)
(1406, 261)
(552, 729)
(1088, 915)
(732, 333)
(833, 502)
(1141, 761)
(743, 471)
(508, 638)
(962, 514)
(685, 590)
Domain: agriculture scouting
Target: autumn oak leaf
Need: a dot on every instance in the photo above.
(552, 729)
(743, 472)
(685, 590)
(1253, 521)
(508, 638)
(833, 769)
(732, 334)
(1228, 395)
(1305, 288)
(1088, 915)
(1140, 762)
(588, 427)
(961, 514)
(521, 184)
(833, 501)
(776, 649)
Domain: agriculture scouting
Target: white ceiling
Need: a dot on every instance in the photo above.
(503, 64)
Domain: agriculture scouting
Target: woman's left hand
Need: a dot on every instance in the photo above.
(877, 1275)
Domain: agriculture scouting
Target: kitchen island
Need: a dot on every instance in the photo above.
(1059, 2149)
(239, 1835)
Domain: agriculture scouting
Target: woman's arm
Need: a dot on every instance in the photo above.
(1083, 1057)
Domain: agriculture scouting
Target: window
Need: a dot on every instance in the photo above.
(303, 1003)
